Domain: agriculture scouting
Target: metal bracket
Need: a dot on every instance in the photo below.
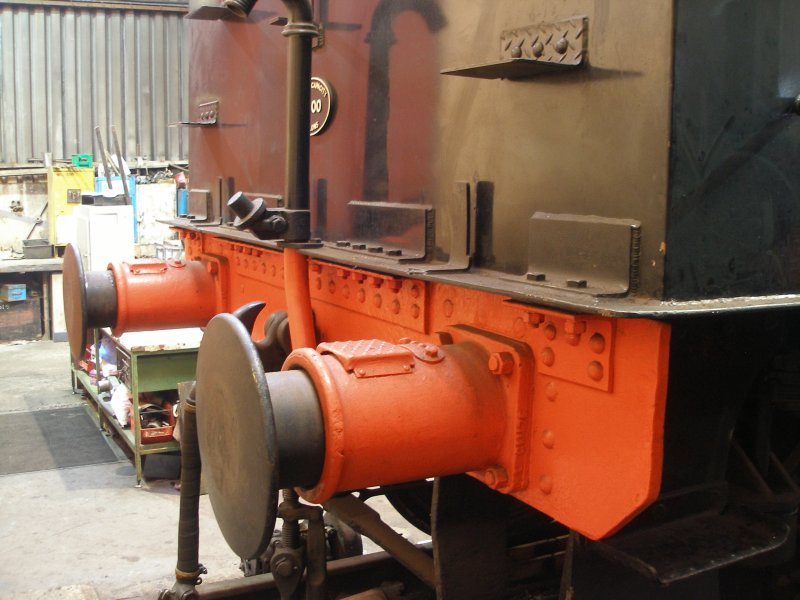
(462, 233)
(585, 254)
(209, 10)
(535, 50)
(207, 115)
(402, 232)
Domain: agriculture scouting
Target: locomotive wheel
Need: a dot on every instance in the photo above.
(414, 503)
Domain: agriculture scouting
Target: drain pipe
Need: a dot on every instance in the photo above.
(300, 30)
(188, 568)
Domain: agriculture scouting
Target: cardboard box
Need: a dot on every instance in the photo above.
(12, 292)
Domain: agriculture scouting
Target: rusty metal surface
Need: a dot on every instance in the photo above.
(683, 549)
(431, 138)
(367, 522)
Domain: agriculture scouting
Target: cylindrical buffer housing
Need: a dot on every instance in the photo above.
(163, 295)
(136, 296)
(395, 413)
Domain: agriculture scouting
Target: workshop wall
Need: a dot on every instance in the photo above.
(66, 68)
(23, 202)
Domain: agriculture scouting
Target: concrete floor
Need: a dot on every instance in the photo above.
(86, 532)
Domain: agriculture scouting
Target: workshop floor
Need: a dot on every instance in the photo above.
(87, 532)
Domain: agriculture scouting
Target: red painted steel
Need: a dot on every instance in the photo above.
(581, 397)
(154, 294)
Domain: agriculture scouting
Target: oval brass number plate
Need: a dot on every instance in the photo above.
(322, 105)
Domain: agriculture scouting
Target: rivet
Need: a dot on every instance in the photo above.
(538, 49)
(415, 311)
(431, 351)
(597, 343)
(246, 263)
(535, 319)
(377, 300)
(550, 331)
(548, 356)
(331, 286)
(561, 45)
(595, 370)
(361, 372)
(319, 283)
(545, 484)
(519, 328)
(548, 438)
(273, 270)
(551, 391)
(362, 295)
(396, 307)
(447, 308)
(404, 340)
(414, 291)
(406, 367)
(346, 292)
(516, 52)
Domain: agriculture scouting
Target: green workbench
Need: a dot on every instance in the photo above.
(147, 361)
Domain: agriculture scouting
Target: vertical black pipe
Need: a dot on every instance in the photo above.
(300, 30)
(188, 568)
(188, 565)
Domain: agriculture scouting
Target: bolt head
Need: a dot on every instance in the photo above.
(431, 351)
(501, 363)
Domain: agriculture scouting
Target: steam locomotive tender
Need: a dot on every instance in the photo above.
(529, 268)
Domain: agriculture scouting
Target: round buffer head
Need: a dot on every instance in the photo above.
(237, 437)
(90, 300)
(75, 304)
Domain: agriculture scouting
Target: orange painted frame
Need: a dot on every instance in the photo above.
(593, 401)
